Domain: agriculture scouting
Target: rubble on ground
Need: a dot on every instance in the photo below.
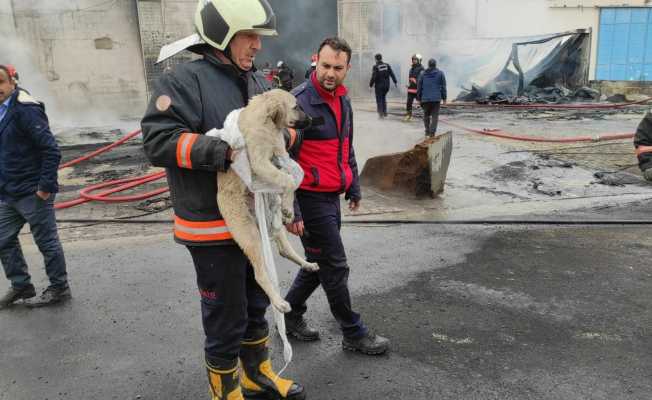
(534, 95)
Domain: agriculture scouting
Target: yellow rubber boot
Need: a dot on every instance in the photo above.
(224, 380)
(259, 381)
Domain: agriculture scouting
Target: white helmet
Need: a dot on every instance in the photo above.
(279, 64)
(418, 57)
(217, 21)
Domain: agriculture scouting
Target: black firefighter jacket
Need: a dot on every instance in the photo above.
(380, 76)
(189, 101)
(643, 142)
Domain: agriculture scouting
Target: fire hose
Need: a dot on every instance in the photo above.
(119, 185)
(554, 106)
(505, 135)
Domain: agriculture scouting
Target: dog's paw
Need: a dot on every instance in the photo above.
(283, 306)
(308, 266)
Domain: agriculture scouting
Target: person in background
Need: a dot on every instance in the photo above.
(313, 66)
(29, 160)
(431, 92)
(267, 72)
(643, 144)
(415, 72)
(285, 76)
(380, 76)
(326, 155)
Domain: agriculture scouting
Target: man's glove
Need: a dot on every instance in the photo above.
(648, 174)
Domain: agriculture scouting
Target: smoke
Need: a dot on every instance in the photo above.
(46, 42)
(302, 25)
(470, 39)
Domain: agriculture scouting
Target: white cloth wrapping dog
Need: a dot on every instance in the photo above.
(267, 203)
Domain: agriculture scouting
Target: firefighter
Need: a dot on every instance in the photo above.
(643, 144)
(380, 76)
(313, 66)
(327, 158)
(285, 76)
(189, 101)
(415, 72)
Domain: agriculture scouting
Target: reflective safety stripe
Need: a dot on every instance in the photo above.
(412, 91)
(206, 231)
(184, 148)
(643, 149)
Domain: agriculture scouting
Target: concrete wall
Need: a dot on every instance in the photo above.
(81, 57)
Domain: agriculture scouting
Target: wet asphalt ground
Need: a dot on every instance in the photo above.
(472, 312)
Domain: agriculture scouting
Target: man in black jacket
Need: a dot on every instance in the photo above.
(380, 76)
(189, 101)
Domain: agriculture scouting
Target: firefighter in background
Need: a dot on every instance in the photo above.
(190, 100)
(313, 66)
(285, 76)
(380, 76)
(415, 72)
(643, 144)
(268, 72)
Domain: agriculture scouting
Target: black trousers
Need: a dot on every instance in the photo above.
(381, 100)
(410, 102)
(431, 116)
(232, 304)
(323, 245)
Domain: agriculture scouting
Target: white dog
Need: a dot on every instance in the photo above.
(261, 124)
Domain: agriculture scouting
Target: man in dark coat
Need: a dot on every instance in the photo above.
(29, 160)
(327, 158)
(431, 92)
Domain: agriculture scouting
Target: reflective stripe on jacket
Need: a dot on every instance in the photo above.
(189, 101)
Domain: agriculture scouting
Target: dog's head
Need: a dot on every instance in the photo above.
(281, 107)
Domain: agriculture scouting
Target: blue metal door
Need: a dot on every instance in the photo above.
(625, 45)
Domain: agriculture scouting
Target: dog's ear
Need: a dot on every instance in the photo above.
(276, 109)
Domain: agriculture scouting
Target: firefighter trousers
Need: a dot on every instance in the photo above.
(233, 305)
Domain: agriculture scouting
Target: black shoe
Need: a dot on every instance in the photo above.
(51, 296)
(13, 295)
(369, 344)
(298, 328)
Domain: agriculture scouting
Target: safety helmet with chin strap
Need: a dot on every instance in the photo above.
(418, 56)
(217, 21)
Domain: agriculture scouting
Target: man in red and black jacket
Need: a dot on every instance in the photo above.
(327, 158)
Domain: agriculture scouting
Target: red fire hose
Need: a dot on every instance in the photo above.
(553, 106)
(505, 135)
(100, 150)
(122, 184)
